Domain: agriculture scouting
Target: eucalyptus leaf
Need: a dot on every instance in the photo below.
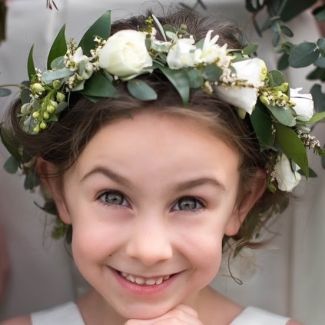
(179, 80)
(10, 142)
(283, 62)
(195, 78)
(262, 125)
(51, 75)
(4, 92)
(318, 98)
(276, 78)
(58, 48)
(141, 90)
(317, 74)
(293, 8)
(319, 13)
(303, 54)
(320, 62)
(211, 72)
(321, 45)
(31, 180)
(99, 86)
(283, 115)
(25, 92)
(30, 64)
(101, 28)
(11, 165)
(286, 31)
(292, 146)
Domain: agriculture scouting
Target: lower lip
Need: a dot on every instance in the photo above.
(143, 289)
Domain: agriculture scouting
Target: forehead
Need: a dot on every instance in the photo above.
(158, 143)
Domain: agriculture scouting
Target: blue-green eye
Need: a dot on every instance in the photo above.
(112, 198)
(188, 203)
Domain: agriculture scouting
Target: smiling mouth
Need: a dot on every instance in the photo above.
(145, 281)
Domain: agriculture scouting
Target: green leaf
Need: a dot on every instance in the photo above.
(276, 78)
(250, 49)
(160, 27)
(141, 90)
(262, 124)
(318, 98)
(11, 165)
(4, 92)
(284, 116)
(179, 80)
(321, 45)
(101, 28)
(211, 72)
(303, 54)
(283, 62)
(318, 117)
(319, 13)
(292, 146)
(311, 173)
(51, 75)
(99, 86)
(58, 48)
(30, 64)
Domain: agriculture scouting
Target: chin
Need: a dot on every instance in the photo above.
(144, 312)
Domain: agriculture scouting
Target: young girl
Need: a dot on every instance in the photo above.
(159, 145)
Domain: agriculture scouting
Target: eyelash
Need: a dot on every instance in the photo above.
(102, 198)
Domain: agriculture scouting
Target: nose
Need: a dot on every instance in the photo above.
(149, 242)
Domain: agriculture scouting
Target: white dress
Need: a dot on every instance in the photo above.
(69, 314)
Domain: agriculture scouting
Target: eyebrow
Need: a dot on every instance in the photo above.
(179, 187)
(109, 174)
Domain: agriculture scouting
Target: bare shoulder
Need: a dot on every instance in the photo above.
(293, 322)
(20, 320)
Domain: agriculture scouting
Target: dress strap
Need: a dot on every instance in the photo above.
(257, 316)
(66, 314)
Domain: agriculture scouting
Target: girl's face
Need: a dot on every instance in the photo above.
(150, 199)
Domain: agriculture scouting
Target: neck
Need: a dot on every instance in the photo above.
(96, 311)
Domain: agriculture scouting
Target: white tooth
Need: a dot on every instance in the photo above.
(159, 281)
(124, 274)
(139, 280)
(166, 277)
(150, 282)
(131, 278)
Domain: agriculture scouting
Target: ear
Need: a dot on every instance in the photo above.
(245, 204)
(51, 182)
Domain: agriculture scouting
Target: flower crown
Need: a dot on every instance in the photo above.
(281, 117)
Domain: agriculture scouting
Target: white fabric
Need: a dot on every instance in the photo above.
(66, 314)
(69, 314)
(257, 316)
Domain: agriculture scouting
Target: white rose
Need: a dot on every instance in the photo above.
(286, 175)
(125, 54)
(211, 52)
(181, 54)
(252, 72)
(304, 105)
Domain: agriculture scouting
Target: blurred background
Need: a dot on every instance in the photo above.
(285, 277)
